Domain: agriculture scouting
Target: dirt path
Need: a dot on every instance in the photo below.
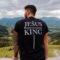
(55, 58)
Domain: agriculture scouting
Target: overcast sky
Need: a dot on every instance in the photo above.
(13, 8)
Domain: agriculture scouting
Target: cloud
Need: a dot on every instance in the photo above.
(13, 8)
(46, 13)
(40, 4)
(11, 14)
(20, 13)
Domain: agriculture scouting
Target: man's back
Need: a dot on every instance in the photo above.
(31, 33)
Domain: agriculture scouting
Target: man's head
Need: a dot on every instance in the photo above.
(30, 10)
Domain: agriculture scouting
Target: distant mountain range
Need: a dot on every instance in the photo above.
(10, 22)
(52, 21)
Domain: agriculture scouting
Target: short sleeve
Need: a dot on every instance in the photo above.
(45, 28)
(16, 28)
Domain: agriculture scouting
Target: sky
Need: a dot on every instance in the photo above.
(14, 8)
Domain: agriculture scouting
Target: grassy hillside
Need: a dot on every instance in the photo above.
(55, 38)
(8, 51)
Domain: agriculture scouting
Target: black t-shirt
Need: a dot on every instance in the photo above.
(31, 33)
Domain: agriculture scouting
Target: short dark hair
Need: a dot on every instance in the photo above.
(32, 8)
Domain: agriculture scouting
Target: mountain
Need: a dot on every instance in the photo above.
(50, 21)
(3, 30)
(9, 22)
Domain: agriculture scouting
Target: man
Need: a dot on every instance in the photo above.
(31, 37)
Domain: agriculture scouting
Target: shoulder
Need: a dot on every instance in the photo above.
(40, 20)
(20, 21)
(43, 22)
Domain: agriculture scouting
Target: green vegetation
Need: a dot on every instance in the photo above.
(8, 51)
(52, 49)
(5, 37)
(3, 31)
(55, 38)
(5, 41)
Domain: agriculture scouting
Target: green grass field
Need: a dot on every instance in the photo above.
(6, 52)
(53, 48)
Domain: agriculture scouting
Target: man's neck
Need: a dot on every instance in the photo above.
(31, 16)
